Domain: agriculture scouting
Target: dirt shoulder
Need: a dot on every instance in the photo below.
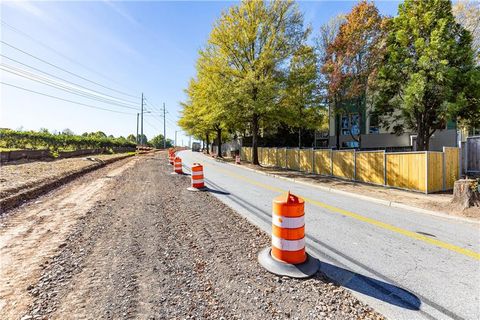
(151, 249)
(23, 181)
(439, 202)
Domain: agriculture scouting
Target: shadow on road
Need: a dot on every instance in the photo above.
(207, 189)
(371, 287)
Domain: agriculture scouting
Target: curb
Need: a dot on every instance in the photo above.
(18, 199)
(387, 203)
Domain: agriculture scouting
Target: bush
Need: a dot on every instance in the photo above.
(43, 140)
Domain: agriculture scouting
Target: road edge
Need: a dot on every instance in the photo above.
(387, 203)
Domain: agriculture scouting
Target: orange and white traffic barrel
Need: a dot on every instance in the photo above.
(171, 157)
(197, 177)
(237, 159)
(177, 166)
(287, 255)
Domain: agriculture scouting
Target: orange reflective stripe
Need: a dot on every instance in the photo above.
(288, 234)
(197, 177)
(294, 257)
(282, 209)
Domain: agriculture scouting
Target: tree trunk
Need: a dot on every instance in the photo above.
(219, 139)
(421, 134)
(465, 195)
(207, 140)
(254, 139)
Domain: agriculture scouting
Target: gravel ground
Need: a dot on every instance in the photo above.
(153, 250)
(18, 176)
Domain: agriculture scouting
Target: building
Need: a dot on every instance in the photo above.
(375, 137)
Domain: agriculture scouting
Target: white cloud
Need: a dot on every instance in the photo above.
(122, 12)
(27, 7)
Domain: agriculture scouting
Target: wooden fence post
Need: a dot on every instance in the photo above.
(426, 172)
(354, 165)
(313, 161)
(384, 167)
(444, 171)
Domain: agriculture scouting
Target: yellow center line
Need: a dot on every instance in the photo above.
(377, 223)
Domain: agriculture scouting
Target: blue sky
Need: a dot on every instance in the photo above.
(130, 47)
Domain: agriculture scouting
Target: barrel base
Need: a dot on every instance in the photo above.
(299, 271)
(177, 173)
(196, 189)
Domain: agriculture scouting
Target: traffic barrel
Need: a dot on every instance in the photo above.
(177, 166)
(197, 177)
(237, 159)
(171, 157)
(287, 255)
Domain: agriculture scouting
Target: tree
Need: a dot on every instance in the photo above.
(157, 142)
(352, 60)
(68, 132)
(327, 35)
(301, 98)
(142, 139)
(467, 13)
(251, 43)
(428, 75)
(132, 138)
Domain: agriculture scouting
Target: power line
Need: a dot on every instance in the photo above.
(62, 99)
(152, 126)
(49, 82)
(67, 81)
(64, 70)
(60, 54)
(61, 86)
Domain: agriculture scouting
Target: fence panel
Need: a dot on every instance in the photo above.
(407, 170)
(306, 160)
(452, 166)
(270, 157)
(370, 166)
(343, 164)
(323, 162)
(282, 157)
(246, 154)
(292, 159)
(435, 171)
(472, 146)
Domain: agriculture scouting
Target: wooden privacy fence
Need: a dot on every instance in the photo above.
(420, 171)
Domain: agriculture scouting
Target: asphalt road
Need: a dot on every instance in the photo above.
(406, 265)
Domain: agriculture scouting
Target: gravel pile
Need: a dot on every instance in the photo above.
(157, 251)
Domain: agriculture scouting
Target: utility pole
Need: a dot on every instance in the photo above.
(189, 141)
(164, 129)
(176, 138)
(141, 138)
(138, 114)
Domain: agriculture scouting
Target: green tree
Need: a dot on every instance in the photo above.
(157, 142)
(251, 43)
(302, 99)
(132, 138)
(467, 13)
(428, 75)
